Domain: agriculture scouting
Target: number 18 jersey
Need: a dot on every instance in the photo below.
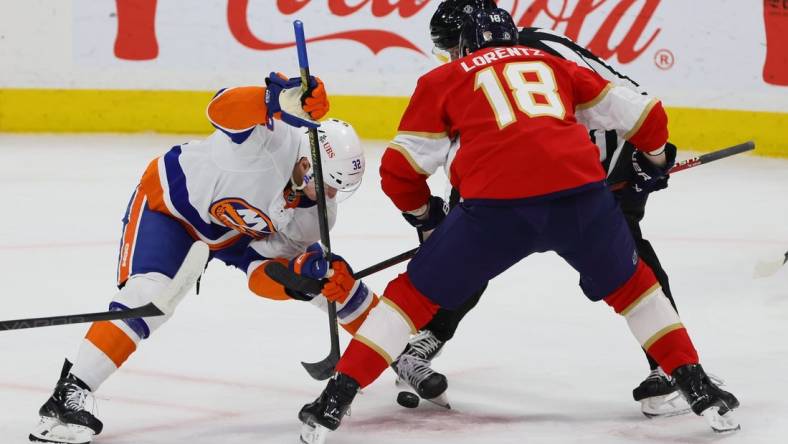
(513, 111)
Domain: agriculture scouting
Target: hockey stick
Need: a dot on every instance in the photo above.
(165, 303)
(322, 369)
(701, 160)
(281, 274)
(767, 268)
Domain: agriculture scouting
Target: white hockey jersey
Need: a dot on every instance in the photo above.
(230, 186)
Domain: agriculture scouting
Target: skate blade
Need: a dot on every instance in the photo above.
(53, 431)
(441, 400)
(672, 404)
(721, 423)
(312, 433)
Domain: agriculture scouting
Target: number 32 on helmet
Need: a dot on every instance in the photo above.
(341, 156)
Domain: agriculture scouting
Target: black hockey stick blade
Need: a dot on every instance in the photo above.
(324, 369)
(146, 310)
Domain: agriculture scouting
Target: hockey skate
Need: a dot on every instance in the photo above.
(326, 413)
(706, 398)
(659, 396)
(64, 418)
(413, 369)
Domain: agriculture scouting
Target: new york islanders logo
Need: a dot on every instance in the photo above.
(237, 214)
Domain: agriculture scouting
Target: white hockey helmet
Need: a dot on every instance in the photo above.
(341, 156)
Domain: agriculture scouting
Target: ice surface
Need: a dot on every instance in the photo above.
(535, 362)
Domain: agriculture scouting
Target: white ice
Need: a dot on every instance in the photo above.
(535, 362)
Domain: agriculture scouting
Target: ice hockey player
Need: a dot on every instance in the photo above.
(658, 393)
(246, 192)
(531, 181)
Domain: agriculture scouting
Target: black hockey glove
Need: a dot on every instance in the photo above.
(436, 212)
(649, 177)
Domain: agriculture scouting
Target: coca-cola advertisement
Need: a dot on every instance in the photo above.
(720, 54)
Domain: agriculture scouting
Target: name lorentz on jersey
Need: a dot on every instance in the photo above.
(611, 147)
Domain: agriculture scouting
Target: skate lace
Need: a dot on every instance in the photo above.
(413, 369)
(76, 397)
(657, 374)
(425, 344)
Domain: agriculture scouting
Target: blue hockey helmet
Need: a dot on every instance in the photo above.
(487, 28)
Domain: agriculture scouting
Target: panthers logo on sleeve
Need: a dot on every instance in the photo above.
(237, 214)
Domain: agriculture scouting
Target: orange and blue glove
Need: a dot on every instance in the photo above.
(315, 100)
(341, 283)
(333, 271)
(311, 263)
(285, 101)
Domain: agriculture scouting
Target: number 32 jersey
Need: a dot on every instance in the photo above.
(514, 113)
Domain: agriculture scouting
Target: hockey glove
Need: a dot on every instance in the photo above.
(315, 101)
(648, 177)
(341, 283)
(312, 263)
(284, 100)
(430, 218)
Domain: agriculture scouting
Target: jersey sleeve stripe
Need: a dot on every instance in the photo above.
(404, 151)
(178, 194)
(424, 134)
(406, 187)
(641, 119)
(151, 184)
(427, 153)
(595, 101)
(130, 235)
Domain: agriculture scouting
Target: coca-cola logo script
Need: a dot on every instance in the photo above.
(136, 37)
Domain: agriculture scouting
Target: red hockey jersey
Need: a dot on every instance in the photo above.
(513, 112)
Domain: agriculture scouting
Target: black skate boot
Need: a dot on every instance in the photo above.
(659, 396)
(64, 419)
(413, 368)
(706, 398)
(329, 408)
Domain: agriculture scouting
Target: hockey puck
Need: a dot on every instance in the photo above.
(408, 400)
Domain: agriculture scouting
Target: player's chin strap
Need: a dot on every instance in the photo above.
(290, 112)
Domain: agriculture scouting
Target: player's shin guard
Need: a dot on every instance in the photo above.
(385, 332)
(653, 321)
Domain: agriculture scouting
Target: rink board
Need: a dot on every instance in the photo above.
(128, 111)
